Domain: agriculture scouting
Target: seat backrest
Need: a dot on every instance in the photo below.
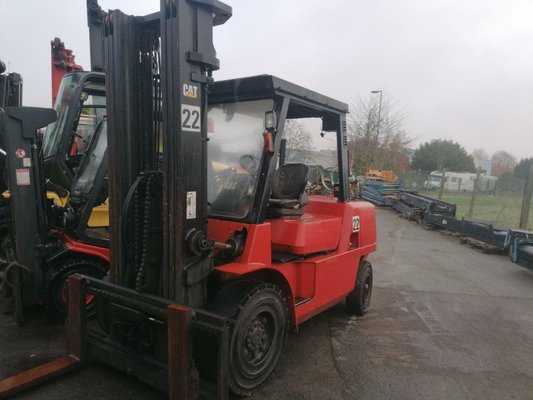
(289, 181)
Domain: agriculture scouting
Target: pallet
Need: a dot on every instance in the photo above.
(479, 245)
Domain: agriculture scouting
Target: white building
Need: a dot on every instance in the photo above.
(461, 182)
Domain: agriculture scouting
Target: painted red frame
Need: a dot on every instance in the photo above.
(321, 278)
(84, 248)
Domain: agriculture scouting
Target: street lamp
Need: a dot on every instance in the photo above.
(379, 109)
(379, 121)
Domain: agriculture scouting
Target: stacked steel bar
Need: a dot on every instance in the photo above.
(407, 211)
(485, 232)
(427, 204)
(521, 247)
(440, 214)
(377, 192)
(521, 253)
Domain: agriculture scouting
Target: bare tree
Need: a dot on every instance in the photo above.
(377, 138)
(299, 143)
(479, 155)
(502, 162)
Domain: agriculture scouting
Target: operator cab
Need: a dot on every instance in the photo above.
(277, 154)
(90, 197)
(80, 106)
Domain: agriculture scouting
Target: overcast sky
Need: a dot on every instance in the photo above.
(460, 70)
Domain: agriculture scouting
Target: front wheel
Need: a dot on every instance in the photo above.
(55, 289)
(358, 301)
(260, 326)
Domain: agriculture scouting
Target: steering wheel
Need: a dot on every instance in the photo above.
(247, 161)
(330, 171)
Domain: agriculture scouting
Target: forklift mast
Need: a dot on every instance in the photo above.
(136, 86)
(10, 88)
(10, 96)
(28, 206)
(189, 58)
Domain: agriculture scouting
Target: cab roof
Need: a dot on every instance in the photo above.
(304, 103)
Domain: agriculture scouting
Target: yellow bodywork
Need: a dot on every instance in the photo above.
(99, 217)
(58, 200)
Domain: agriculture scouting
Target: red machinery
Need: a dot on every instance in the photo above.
(63, 62)
(46, 172)
(212, 264)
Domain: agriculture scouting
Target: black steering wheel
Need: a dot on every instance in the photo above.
(247, 161)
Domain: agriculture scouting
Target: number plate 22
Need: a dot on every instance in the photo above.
(356, 223)
(190, 118)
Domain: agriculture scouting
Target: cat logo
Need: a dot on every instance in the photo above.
(190, 91)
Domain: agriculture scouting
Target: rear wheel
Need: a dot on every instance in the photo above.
(260, 325)
(358, 301)
(55, 289)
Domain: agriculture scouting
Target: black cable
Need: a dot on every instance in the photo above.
(124, 219)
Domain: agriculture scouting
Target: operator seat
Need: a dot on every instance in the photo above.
(288, 191)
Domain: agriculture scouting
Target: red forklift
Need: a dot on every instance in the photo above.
(45, 171)
(51, 232)
(217, 252)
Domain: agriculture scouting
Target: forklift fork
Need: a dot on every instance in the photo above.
(76, 346)
(183, 380)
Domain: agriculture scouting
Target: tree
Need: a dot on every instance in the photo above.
(507, 182)
(502, 162)
(479, 155)
(376, 137)
(438, 154)
(523, 167)
(299, 146)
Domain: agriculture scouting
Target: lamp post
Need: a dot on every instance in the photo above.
(379, 109)
(379, 119)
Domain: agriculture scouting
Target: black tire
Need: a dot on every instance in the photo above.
(54, 290)
(259, 330)
(358, 301)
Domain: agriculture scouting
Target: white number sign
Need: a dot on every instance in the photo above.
(190, 118)
(356, 224)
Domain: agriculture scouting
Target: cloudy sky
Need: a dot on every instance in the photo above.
(460, 70)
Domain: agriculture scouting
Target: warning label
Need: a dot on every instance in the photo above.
(190, 212)
(23, 177)
(20, 153)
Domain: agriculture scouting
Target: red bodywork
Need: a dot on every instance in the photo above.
(84, 248)
(324, 237)
(63, 61)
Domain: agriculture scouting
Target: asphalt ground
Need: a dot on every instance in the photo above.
(447, 322)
